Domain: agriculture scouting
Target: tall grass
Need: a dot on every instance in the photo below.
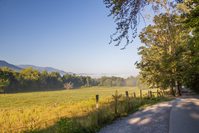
(68, 117)
(88, 122)
(43, 116)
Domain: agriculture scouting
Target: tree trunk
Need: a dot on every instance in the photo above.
(177, 88)
(180, 87)
(171, 92)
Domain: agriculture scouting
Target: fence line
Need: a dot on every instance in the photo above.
(97, 109)
(127, 98)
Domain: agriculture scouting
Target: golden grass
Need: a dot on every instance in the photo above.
(23, 119)
(42, 117)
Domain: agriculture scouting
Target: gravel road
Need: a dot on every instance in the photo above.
(153, 119)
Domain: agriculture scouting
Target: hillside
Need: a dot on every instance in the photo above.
(49, 69)
(13, 67)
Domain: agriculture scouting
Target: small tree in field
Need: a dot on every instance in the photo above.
(68, 85)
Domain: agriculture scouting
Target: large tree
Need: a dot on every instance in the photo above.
(162, 56)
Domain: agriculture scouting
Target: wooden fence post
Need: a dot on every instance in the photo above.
(134, 95)
(148, 93)
(127, 98)
(141, 94)
(97, 99)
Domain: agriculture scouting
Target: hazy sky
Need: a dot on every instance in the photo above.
(71, 35)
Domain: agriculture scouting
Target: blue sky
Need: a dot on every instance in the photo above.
(71, 35)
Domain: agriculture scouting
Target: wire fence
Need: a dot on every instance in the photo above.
(46, 123)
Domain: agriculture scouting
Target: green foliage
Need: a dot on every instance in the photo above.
(7, 79)
(85, 86)
(30, 80)
(192, 21)
(163, 56)
(116, 97)
(4, 84)
(63, 126)
(126, 15)
(111, 81)
(131, 81)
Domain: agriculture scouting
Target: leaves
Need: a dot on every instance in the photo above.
(126, 14)
(164, 50)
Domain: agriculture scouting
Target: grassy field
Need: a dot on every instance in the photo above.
(50, 97)
(39, 111)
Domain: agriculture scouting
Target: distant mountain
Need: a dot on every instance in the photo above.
(49, 69)
(13, 67)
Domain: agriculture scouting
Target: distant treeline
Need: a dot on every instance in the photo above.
(30, 79)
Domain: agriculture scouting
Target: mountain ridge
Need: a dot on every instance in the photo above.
(49, 69)
(11, 66)
(19, 67)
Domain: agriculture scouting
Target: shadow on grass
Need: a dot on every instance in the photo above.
(88, 122)
(26, 91)
(49, 129)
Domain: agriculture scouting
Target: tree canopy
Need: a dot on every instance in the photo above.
(32, 80)
(170, 55)
(127, 14)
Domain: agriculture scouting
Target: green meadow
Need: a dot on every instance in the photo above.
(59, 97)
(50, 110)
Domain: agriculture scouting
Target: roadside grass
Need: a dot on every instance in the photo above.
(88, 123)
(79, 114)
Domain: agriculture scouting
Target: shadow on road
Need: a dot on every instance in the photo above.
(185, 114)
(153, 119)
